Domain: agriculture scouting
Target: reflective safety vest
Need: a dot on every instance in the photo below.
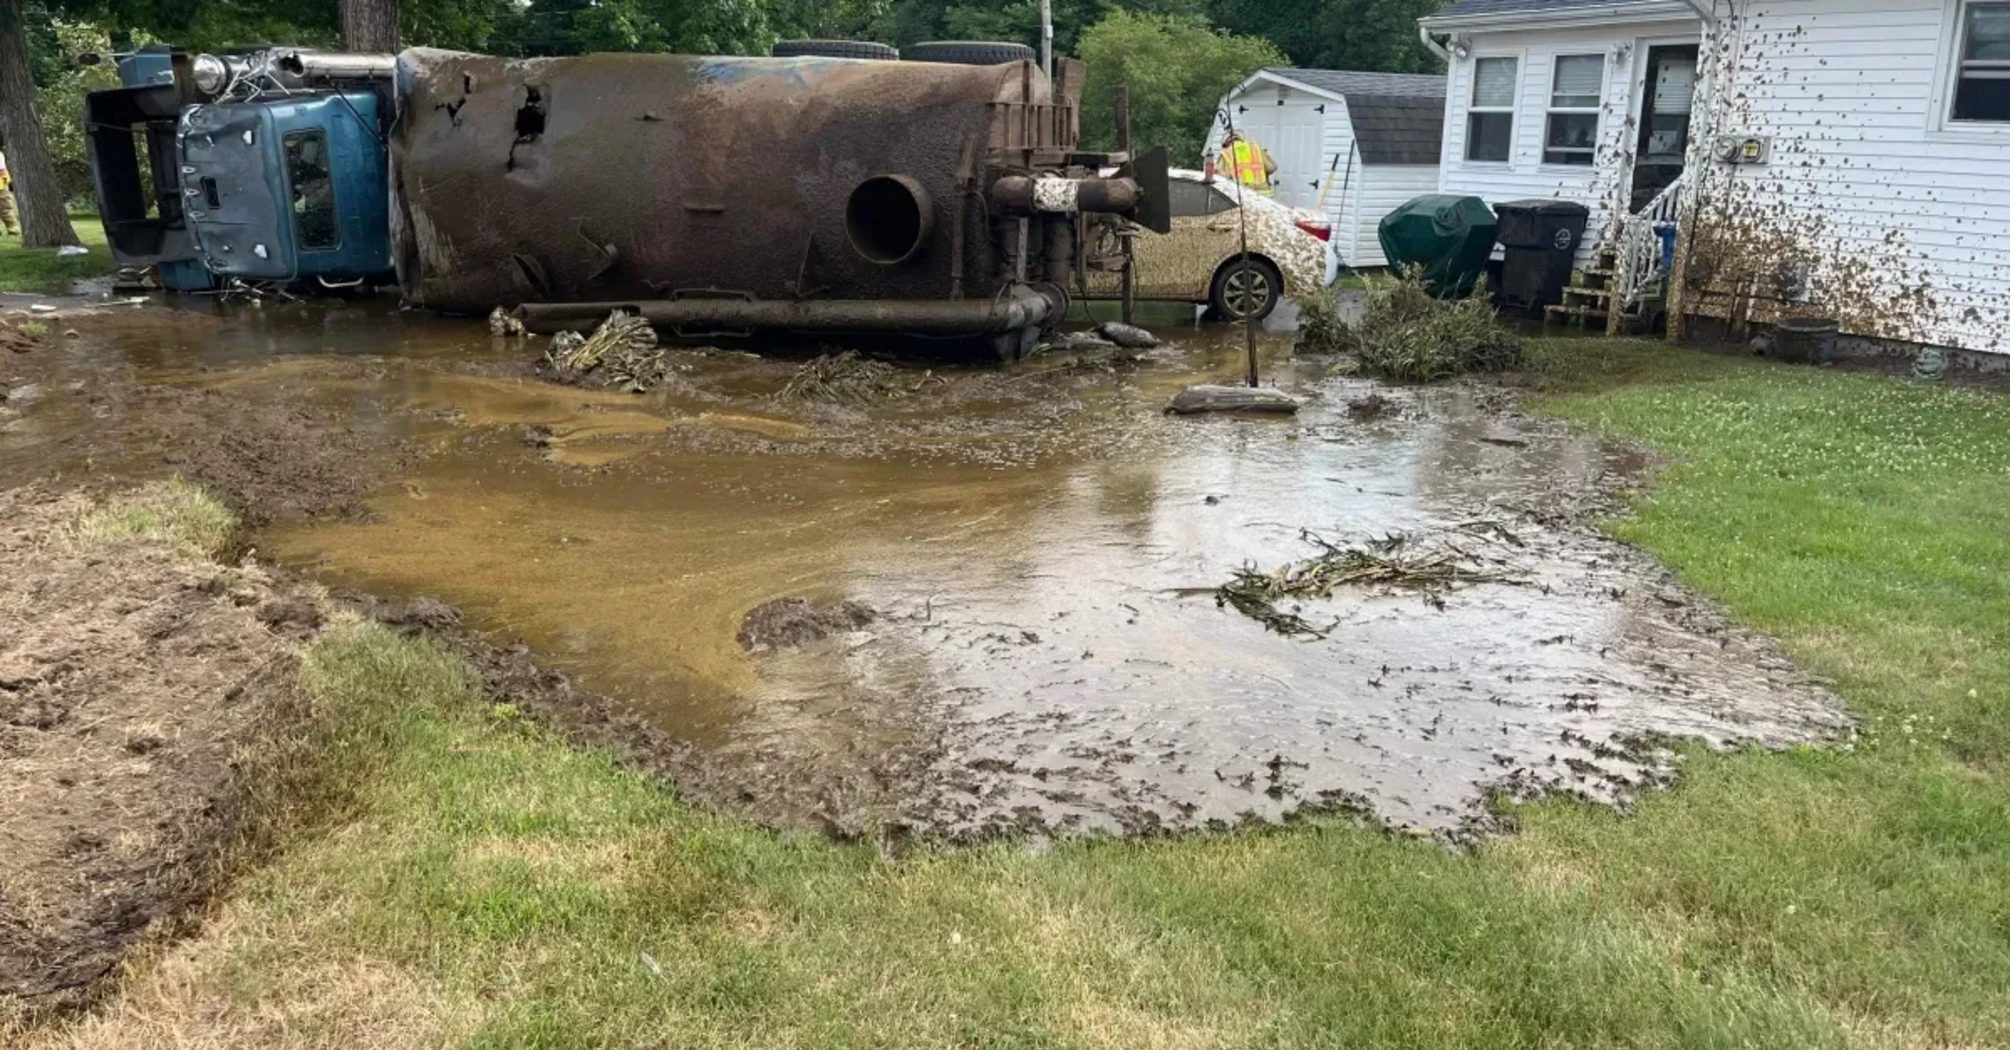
(1244, 161)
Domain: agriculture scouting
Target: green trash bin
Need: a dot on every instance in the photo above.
(1449, 236)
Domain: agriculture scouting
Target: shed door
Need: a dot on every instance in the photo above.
(1294, 142)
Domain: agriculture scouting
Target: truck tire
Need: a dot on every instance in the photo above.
(1249, 289)
(967, 52)
(834, 49)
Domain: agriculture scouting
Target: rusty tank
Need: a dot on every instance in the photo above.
(748, 197)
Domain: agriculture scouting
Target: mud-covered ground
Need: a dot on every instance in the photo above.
(105, 396)
(978, 601)
(143, 692)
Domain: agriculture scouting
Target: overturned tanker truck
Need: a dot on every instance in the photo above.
(764, 198)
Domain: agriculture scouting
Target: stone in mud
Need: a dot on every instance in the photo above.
(417, 613)
(1130, 337)
(295, 612)
(503, 324)
(1213, 398)
(22, 394)
(1073, 341)
(1372, 405)
(786, 623)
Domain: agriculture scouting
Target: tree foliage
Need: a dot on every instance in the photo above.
(1374, 36)
(1177, 68)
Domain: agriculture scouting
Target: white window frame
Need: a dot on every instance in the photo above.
(1596, 110)
(1512, 109)
(1941, 125)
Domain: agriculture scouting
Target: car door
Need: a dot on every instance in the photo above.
(1180, 265)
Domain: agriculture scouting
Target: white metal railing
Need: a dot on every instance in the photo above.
(1638, 246)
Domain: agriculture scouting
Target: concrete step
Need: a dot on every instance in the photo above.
(1574, 315)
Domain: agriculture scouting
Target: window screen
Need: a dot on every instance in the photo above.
(1580, 80)
(313, 191)
(1982, 88)
(1493, 83)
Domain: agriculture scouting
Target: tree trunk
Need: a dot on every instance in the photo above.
(370, 26)
(45, 221)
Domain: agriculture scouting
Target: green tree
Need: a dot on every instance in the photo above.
(1177, 68)
(1377, 36)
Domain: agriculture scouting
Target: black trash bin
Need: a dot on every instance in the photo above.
(1540, 238)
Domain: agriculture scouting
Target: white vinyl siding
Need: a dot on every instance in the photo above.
(1372, 195)
(1904, 214)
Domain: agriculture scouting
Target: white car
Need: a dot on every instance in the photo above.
(1200, 261)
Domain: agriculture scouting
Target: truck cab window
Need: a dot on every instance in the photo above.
(312, 190)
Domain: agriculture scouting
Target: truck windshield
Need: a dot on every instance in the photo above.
(312, 189)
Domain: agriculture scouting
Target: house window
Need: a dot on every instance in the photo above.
(312, 189)
(1982, 84)
(1490, 118)
(1572, 135)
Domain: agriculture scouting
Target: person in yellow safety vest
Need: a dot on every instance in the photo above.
(1246, 162)
(7, 218)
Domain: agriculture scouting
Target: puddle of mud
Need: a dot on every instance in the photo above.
(1040, 545)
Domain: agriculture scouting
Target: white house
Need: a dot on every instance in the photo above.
(1849, 158)
(1352, 146)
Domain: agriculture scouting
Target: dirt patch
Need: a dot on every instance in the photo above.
(787, 623)
(141, 690)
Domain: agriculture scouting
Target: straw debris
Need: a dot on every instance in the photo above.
(621, 354)
(1394, 562)
(847, 379)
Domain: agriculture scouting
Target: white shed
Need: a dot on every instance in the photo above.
(1350, 145)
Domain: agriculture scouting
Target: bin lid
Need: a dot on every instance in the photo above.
(1544, 206)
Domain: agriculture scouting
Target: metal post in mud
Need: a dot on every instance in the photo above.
(1130, 279)
(1242, 231)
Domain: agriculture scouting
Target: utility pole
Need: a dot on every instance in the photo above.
(1130, 279)
(1047, 39)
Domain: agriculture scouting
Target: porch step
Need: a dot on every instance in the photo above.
(1578, 291)
(1576, 316)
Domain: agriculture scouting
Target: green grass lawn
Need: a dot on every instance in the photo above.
(42, 271)
(481, 884)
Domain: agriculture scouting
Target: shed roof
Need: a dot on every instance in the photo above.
(1342, 82)
(1398, 118)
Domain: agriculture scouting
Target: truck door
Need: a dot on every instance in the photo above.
(235, 187)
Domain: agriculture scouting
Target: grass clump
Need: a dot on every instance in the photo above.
(42, 271)
(176, 512)
(1406, 333)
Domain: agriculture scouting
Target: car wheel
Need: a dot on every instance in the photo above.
(1246, 290)
(834, 49)
(967, 52)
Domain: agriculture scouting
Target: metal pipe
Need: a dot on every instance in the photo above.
(335, 65)
(1431, 43)
(1063, 196)
(1019, 308)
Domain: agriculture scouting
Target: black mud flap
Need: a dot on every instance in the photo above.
(1148, 170)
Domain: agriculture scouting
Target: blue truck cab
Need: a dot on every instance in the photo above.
(289, 189)
(258, 165)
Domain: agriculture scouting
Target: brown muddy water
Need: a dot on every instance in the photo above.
(1040, 545)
